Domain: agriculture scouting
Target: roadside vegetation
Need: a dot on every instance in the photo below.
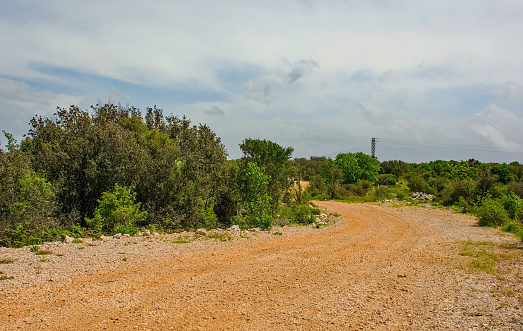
(111, 170)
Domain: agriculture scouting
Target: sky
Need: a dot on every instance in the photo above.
(433, 79)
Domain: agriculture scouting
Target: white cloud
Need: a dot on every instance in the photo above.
(215, 111)
(498, 127)
(19, 102)
(405, 69)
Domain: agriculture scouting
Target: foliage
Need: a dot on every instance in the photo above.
(27, 201)
(117, 212)
(272, 158)
(298, 213)
(255, 199)
(492, 213)
(357, 166)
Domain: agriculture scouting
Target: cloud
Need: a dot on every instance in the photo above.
(266, 88)
(19, 102)
(301, 68)
(498, 127)
(214, 111)
(263, 89)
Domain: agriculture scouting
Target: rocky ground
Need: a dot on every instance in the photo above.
(378, 267)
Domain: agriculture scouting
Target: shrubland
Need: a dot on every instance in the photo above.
(111, 170)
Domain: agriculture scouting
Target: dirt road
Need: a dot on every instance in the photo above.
(376, 268)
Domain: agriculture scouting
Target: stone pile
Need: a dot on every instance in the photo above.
(421, 196)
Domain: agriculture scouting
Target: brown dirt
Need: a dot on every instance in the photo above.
(376, 268)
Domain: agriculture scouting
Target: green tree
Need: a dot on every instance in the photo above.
(27, 201)
(116, 211)
(358, 166)
(273, 159)
(255, 198)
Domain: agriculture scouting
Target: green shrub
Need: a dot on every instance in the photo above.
(255, 199)
(298, 213)
(515, 227)
(513, 204)
(492, 213)
(116, 211)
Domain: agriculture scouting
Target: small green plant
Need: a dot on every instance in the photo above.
(277, 233)
(38, 269)
(492, 213)
(179, 241)
(124, 259)
(43, 259)
(219, 236)
(43, 252)
(77, 241)
(4, 277)
(117, 213)
(34, 248)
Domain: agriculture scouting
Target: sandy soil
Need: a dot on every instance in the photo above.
(377, 268)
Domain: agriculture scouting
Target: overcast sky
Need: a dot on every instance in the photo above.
(431, 79)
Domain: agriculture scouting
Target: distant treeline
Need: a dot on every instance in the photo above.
(113, 170)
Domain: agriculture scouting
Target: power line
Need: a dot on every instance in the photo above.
(455, 147)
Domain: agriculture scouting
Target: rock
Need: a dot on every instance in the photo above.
(254, 230)
(421, 196)
(117, 236)
(68, 240)
(155, 234)
(234, 228)
(201, 232)
(126, 235)
(146, 233)
(104, 238)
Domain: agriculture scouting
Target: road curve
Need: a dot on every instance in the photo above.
(376, 268)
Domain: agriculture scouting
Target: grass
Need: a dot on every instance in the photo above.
(4, 277)
(43, 252)
(219, 236)
(179, 241)
(486, 256)
(277, 233)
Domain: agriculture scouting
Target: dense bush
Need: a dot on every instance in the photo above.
(492, 213)
(27, 201)
(117, 212)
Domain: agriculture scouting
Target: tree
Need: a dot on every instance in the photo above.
(255, 198)
(272, 158)
(357, 166)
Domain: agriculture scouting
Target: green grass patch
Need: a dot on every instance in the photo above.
(486, 256)
(277, 233)
(179, 241)
(219, 236)
(4, 277)
(43, 252)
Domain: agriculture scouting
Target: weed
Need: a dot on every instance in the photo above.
(81, 247)
(38, 269)
(178, 241)
(34, 248)
(77, 241)
(219, 236)
(43, 252)
(4, 277)
(277, 233)
(43, 259)
(6, 261)
(486, 255)
(124, 259)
